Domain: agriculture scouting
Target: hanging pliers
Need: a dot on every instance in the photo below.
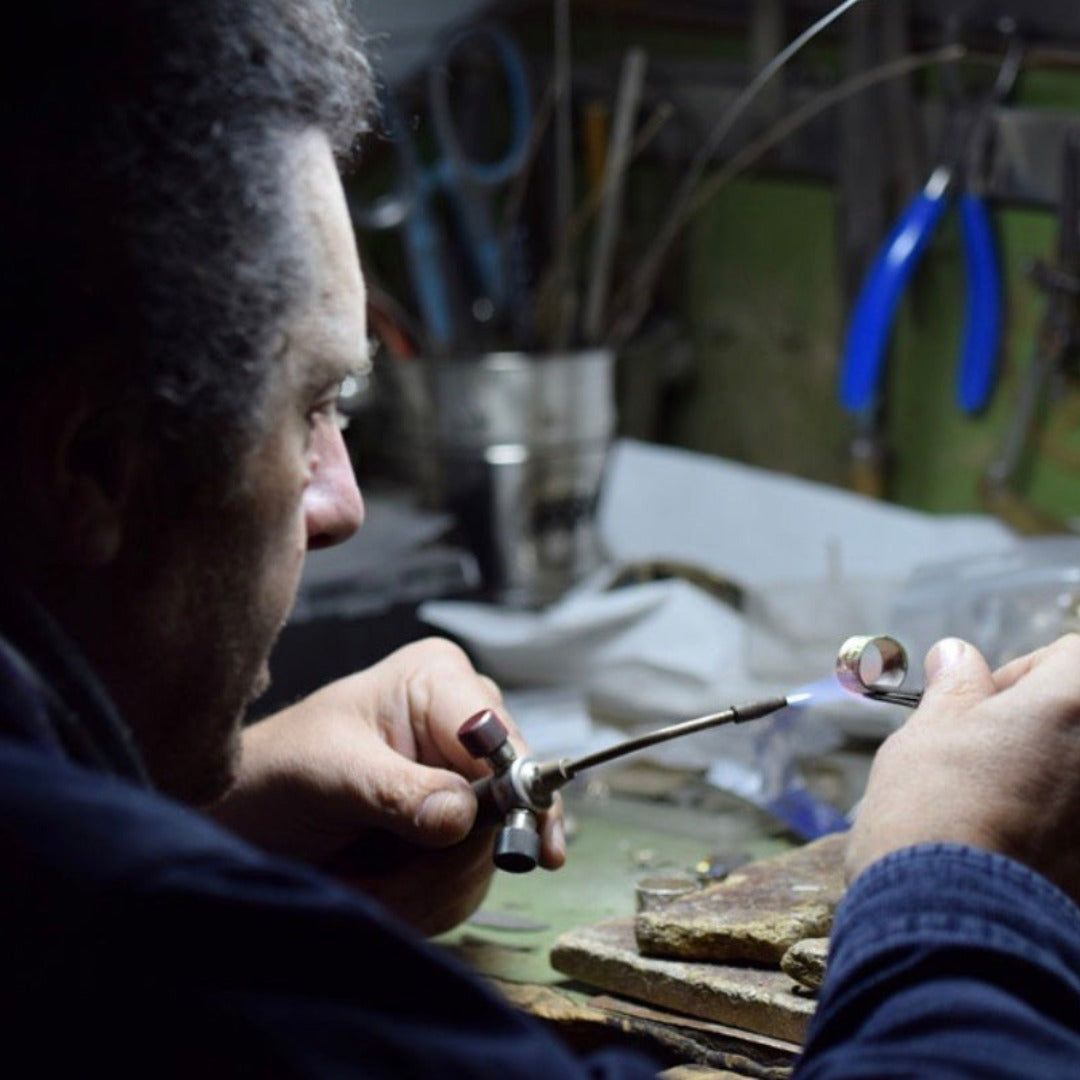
(870, 325)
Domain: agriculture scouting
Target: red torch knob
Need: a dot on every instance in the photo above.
(483, 734)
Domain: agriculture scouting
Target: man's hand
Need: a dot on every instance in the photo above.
(366, 778)
(990, 759)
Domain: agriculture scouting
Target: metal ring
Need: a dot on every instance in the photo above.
(871, 664)
(653, 893)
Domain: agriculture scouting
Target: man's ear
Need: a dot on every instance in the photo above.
(80, 471)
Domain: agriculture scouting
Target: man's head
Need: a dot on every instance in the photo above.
(185, 301)
(144, 200)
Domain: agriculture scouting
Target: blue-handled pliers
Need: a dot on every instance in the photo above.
(872, 318)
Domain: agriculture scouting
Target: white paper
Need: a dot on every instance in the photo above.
(762, 528)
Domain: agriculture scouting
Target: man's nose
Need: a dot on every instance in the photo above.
(333, 506)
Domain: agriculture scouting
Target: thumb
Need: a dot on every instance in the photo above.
(956, 672)
(427, 806)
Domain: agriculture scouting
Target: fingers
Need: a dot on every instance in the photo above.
(911, 793)
(553, 837)
(443, 690)
(432, 807)
(989, 759)
(1060, 659)
(492, 688)
(957, 675)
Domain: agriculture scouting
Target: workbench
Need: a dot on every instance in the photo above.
(637, 821)
(646, 654)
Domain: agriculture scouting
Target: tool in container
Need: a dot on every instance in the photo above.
(448, 204)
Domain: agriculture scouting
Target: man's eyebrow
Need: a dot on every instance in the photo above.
(325, 371)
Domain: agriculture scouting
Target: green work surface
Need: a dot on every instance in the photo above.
(615, 842)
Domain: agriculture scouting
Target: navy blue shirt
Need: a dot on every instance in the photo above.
(948, 962)
(138, 938)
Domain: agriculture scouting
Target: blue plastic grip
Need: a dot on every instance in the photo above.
(872, 318)
(410, 205)
(465, 180)
(427, 261)
(463, 168)
(982, 321)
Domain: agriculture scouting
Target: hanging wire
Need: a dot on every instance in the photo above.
(745, 158)
(644, 281)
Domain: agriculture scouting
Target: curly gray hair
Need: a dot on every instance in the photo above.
(147, 233)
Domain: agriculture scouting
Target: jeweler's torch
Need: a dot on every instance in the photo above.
(521, 787)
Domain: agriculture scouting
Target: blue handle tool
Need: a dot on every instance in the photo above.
(410, 206)
(875, 309)
(414, 203)
(982, 320)
(468, 180)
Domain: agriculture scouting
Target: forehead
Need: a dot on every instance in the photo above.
(327, 327)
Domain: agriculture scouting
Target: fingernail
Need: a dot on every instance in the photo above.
(944, 655)
(449, 806)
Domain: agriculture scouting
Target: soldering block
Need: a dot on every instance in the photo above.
(754, 999)
(755, 914)
(805, 962)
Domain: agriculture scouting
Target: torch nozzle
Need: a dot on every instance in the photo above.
(736, 714)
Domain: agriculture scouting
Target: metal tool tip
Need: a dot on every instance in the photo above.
(798, 699)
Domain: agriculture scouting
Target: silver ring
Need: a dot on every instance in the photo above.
(872, 664)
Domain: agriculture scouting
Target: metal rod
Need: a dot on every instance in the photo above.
(651, 265)
(735, 715)
(564, 168)
(631, 85)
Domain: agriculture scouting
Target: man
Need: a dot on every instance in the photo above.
(182, 301)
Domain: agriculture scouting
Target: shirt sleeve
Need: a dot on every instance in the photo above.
(307, 981)
(949, 962)
(139, 937)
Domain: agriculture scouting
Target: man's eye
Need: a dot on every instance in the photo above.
(342, 402)
(332, 411)
(339, 417)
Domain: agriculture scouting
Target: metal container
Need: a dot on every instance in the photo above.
(514, 445)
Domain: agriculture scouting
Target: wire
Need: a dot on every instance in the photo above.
(546, 292)
(737, 714)
(746, 157)
(564, 165)
(651, 265)
(515, 198)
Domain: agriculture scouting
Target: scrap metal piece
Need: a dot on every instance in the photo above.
(654, 892)
(805, 962)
